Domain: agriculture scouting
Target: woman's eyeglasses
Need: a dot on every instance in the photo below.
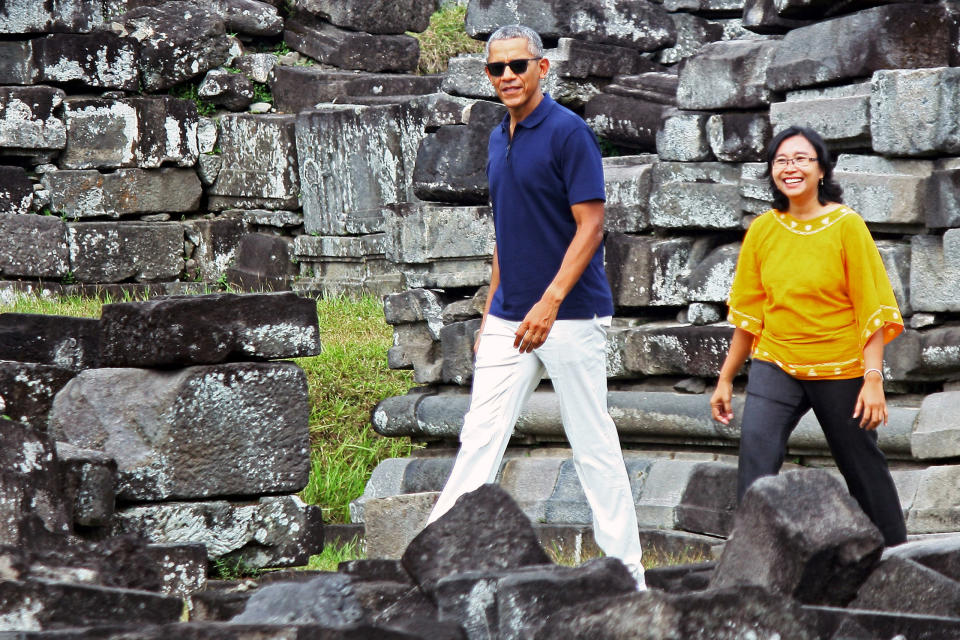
(518, 66)
(800, 162)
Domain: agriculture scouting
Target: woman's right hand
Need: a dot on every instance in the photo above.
(721, 402)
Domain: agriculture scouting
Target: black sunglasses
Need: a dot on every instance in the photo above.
(519, 66)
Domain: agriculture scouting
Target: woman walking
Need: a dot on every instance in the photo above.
(812, 305)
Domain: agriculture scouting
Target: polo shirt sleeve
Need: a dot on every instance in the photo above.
(582, 166)
(747, 296)
(874, 303)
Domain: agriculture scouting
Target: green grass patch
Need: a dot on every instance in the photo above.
(652, 556)
(332, 555)
(189, 91)
(445, 38)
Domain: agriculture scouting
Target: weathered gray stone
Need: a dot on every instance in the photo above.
(702, 195)
(276, 531)
(263, 263)
(199, 432)
(627, 182)
(911, 112)
(343, 247)
(378, 16)
(417, 305)
(943, 205)
(934, 505)
(100, 60)
(260, 168)
(712, 277)
(800, 534)
(727, 75)
(633, 23)
(72, 16)
(840, 114)
(815, 9)
(298, 89)
(882, 191)
(114, 252)
(88, 479)
(267, 218)
(29, 118)
(250, 17)
(645, 271)
(327, 599)
(231, 90)
(934, 265)
(355, 160)
(178, 41)
(761, 16)
(390, 523)
(709, 500)
(142, 132)
(31, 503)
(183, 567)
(902, 36)
(257, 66)
(739, 137)
(209, 329)
(17, 64)
(756, 191)
(896, 261)
(27, 389)
(707, 7)
(60, 341)
(492, 517)
(692, 33)
(900, 584)
(625, 120)
(16, 191)
(351, 49)
(939, 553)
(208, 168)
(33, 246)
(702, 313)
(419, 233)
(579, 59)
(935, 435)
(91, 194)
(457, 341)
(672, 349)
(215, 246)
(682, 137)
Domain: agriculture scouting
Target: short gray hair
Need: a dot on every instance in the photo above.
(510, 31)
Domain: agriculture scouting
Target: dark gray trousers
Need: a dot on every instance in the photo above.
(774, 405)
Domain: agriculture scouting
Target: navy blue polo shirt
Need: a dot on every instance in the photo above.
(552, 163)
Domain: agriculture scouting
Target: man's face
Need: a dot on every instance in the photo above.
(516, 90)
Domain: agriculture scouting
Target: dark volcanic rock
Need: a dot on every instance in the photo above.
(263, 263)
(942, 554)
(89, 481)
(800, 534)
(35, 121)
(16, 191)
(107, 252)
(709, 500)
(27, 390)
(493, 519)
(298, 89)
(328, 599)
(373, 16)
(351, 49)
(61, 341)
(100, 60)
(231, 90)
(899, 584)
(209, 329)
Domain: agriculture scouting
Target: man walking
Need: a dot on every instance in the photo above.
(549, 302)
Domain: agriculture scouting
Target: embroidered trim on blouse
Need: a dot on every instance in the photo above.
(815, 226)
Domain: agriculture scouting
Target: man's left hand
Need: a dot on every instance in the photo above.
(535, 328)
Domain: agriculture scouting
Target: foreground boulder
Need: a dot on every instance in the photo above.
(800, 534)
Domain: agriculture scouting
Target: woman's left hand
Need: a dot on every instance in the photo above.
(871, 403)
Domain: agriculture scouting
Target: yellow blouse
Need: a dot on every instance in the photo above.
(812, 292)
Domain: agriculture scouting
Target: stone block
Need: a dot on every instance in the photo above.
(71, 16)
(17, 64)
(298, 89)
(706, 7)
(755, 188)
(711, 278)
(627, 181)
(40, 604)
(702, 313)
(452, 165)
(902, 585)
(682, 137)
(386, 479)
(257, 66)
(840, 114)
(943, 206)
(580, 60)
(784, 540)
(419, 233)
(727, 75)
(327, 599)
(183, 568)
(144, 132)
(456, 344)
(882, 191)
(490, 516)
(816, 9)
(418, 305)
(100, 60)
(260, 168)
(233, 91)
(912, 112)
(31, 503)
(693, 32)
(33, 246)
(27, 389)
(88, 479)
(662, 493)
(106, 252)
(739, 137)
(60, 341)
(267, 218)
(263, 263)
(644, 270)
(704, 195)
(91, 194)
(345, 247)
(896, 261)
(16, 191)
(355, 160)
(208, 168)
(934, 265)
(273, 531)
(933, 509)
(178, 41)
(208, 329)
(634, 23)
(935, 435)
(939, 353)
(379, 16)
(198, 432)
(625, 120)
(392, 522)
(30, 118)
(449, 273)
(901, 36)
(709, 500)
(345, 49)
(250, 17)
(215, 245)
(672, 349)
(940, 553)
(761, 16)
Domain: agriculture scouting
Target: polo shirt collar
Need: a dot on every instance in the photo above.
(536, 117)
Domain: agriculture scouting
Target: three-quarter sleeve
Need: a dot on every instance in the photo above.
(747, 296)
(869, 287)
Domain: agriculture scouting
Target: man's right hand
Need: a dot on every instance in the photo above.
(721, 406)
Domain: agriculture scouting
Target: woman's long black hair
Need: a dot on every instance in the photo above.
(828, 190)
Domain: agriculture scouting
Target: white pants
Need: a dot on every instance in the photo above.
(574, 355)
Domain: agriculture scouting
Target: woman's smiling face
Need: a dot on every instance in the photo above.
(797, 182)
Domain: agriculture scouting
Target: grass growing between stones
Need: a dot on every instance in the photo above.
(652, 556)
(333, 554)
(445, 38)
